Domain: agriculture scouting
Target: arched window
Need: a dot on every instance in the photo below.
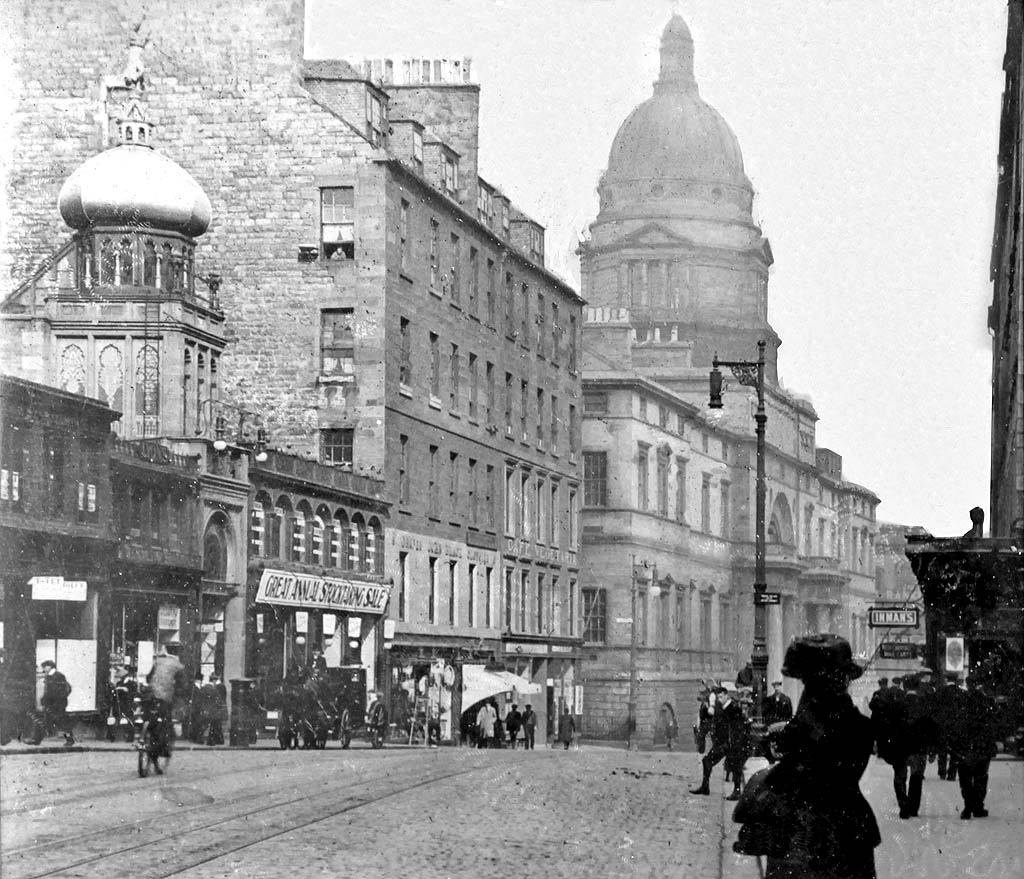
(125, 263)
(375, 546)
(215, 556)
(341, 540)
(72, 369)
(166, 269)
(283, 534)
(149, 275)
(108, 262)
(147, 383)
(301, 533)
(260, 520)
(323, 545)
(111, 376)
(357, 543)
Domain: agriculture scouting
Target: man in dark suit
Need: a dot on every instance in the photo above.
(778, 708)
(729, 741)
(973, 744)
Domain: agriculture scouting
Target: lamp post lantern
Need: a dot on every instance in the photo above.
(751, 373)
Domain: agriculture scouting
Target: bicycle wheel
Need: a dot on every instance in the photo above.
(346, 729)
(143, 762)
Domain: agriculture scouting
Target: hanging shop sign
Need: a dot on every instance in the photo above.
(300, 590)
(58, 589)
(956, 654)
(892, 617)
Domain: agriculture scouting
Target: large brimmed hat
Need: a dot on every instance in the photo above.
(820, 656)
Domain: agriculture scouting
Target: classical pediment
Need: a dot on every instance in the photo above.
(653, 235)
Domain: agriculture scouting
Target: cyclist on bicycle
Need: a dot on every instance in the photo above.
(167, 681)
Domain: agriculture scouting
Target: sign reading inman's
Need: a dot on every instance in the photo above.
(892, 617)
(299, 590)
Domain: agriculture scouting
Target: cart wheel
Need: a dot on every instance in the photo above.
(377, 737)
(143, 763)
(346, 729)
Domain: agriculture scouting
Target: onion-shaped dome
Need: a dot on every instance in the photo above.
(675, 135)
(134, 185)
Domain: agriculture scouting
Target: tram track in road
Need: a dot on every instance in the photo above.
(174, 841)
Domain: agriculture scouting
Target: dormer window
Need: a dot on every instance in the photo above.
(451, 176)
(485, 206)
(374, 119)
(417, 150)
(337, 238)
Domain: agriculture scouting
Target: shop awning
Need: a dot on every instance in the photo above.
(478, 683)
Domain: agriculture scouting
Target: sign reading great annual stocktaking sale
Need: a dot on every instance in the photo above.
(300, 590)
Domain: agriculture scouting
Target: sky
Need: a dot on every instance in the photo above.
(869, 131)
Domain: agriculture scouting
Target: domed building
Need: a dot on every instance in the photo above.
(118, 312)
(675, 271)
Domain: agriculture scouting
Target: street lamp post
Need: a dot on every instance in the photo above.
(751, 373)
(634, 683)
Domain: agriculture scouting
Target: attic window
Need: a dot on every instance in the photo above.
(451, 176)
(417, 150)
(336, 227)
(374, 119)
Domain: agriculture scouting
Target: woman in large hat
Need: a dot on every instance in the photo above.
(826, 828)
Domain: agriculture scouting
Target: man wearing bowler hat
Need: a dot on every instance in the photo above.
(729, 742)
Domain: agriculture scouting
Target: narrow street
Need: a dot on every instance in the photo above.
(439, 813)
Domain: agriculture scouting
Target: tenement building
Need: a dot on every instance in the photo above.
(674, 271)
(362, 299)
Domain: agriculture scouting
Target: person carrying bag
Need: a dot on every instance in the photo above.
(806, 813)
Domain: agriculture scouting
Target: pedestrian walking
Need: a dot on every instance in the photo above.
(973, 744)
(499, 730)
(217, 709)
(513, 721)
(947, 703)
(702, 728)
(566, 728)
(485, 718)
(198, 710)
(807, 813)
(729, 742)
(54, 702)
(668, 719)
(778, 708)
(529, 728)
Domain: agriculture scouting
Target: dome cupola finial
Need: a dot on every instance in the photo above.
(676, 58)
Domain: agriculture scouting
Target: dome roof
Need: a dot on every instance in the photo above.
(134, 185)
(675, 135)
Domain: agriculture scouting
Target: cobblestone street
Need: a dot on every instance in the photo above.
(441, 813)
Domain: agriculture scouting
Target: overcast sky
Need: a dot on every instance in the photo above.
(869, 131)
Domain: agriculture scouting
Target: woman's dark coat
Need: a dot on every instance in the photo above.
(827, 828)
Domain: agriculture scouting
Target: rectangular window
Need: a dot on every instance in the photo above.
(453, 592)
(489, 380)
(572, 343)
(12, 463)
(724, 503)
(643, 408)
(453, 383)
(435, 368)
(572, 608)
(374, 119)
(53, 473)
(491, 314)
(524, 315)
(554, 423)
(471, 587)
(417, 149)
(403, 470)
(432, 597)
(489, 497)
(403, 236)
(403, 580)
(455, 278)
(539, 520)
(525, 498)
(573, 430)
(337, 342)
(540, 416)
(512, 502)
(642, 476)
(474, 387)
(432, 487)
(680, 490)
(541, 598)
(595, 479)
(643, 614)
(509, 385)
(663, 415)
(453, 485)
(451, 176)
(663, 466)
(337, 213)
(488, 595)
(474, 280)
(595, 402)
(507, 616)
(404, 352)
(595, 616)
(573, 520)
(705, 624)
(556, 332)
(510, 306)
(705, 503)
(524, 405)
(524, 588)
(337, 446)
(435, 246)
(472, 490)
(554, 515)
(540, 320)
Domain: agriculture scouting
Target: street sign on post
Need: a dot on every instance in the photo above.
(892, 617)
(767, 598)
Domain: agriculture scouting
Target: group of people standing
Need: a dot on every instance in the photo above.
(493, 731)
(916, 722)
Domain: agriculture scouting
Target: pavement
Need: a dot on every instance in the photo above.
(599, 811)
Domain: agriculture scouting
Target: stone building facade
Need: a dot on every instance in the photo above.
(674, 271)
(385, 310)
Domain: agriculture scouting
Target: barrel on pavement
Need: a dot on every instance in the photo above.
(244, 712)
